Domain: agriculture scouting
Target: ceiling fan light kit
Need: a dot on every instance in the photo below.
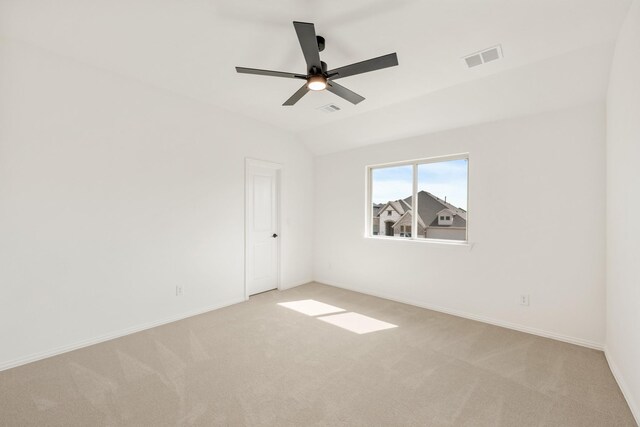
(318, 77)
(318, 82)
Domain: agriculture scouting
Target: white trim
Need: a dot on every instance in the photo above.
(414, 208)
(436, 159)
(110, 336)
(368, 206)
(534, 331)
(262, 163)
(437, 242)
(296, 284)
(467, 216)
(278, 168)
(624, 388)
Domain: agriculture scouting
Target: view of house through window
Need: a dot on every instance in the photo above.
(390, 188)
(434, 208)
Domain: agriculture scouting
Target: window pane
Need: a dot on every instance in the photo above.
(391, 189)
(442, 200)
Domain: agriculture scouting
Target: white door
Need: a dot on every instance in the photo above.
(262, 254)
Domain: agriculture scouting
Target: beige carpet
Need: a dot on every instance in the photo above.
(260, 363)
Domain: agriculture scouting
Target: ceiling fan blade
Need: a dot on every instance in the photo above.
(373, 64)
(244, 70)
(296, 96)
(345, 93)
(309, 43)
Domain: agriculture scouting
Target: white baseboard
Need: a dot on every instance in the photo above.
(295, 284)
(85, 343)
(635, 410)
(504, 324)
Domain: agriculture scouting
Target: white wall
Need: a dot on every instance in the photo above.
(623, 211)
(520, 170)
(113, 192)
(573, 78)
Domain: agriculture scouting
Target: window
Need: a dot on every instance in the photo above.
(392, 183)
(405, 231)
(436, 189)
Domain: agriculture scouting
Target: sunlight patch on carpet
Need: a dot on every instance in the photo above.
(311, 307)
(358, 323)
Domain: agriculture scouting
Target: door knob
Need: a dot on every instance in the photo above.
(274, 235)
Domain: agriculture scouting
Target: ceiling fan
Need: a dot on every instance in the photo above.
(317, 77)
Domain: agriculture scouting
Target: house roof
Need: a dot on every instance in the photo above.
(457, 222)
(420, 221)
(397, 205)
(430, 205)
(405, 205)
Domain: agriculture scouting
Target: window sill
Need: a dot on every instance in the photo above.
(439, 242)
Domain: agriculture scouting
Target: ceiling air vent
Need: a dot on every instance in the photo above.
(484, 56)
(329, 108)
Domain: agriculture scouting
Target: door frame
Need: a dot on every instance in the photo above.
(277, 167)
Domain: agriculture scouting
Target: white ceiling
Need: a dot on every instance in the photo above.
(192, 47)
(564, 81)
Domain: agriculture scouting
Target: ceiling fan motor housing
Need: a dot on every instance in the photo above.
(314, 71)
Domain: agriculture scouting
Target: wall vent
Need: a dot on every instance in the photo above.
(484, 56)
(329, 108)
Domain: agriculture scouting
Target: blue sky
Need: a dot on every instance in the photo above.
(447, 178)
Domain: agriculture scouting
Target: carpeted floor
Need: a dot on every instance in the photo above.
(260, 363)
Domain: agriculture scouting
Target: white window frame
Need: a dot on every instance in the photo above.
(368, 232)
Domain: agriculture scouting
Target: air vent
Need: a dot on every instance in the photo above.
(329, 108)
(484, 56)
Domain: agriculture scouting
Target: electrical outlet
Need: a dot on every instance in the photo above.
(524, 299)
(179, 290)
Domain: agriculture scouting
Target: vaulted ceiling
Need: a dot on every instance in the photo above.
(556, 52)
